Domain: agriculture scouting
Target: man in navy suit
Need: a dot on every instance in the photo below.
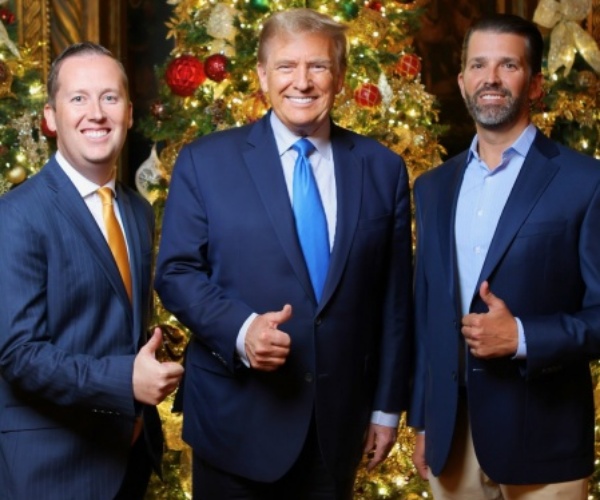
(288, 381)
(507, 291)
(77, 419)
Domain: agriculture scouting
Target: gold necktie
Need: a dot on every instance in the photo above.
(116, 240)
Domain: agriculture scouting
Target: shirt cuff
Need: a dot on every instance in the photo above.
(522, 346)
(241, 340)
(387, 419)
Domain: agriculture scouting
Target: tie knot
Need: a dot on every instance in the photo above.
(304, 147)
(106, 195)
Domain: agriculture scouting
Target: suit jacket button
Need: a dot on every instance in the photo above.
(308, 377)
(318, 320)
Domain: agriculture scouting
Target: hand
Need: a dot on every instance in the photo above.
(492, 334)
(380, 440)
(418, 456)
(267, 347)
(153, 381)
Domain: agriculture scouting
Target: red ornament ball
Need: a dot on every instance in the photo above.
(408, 66)
(215, 67)
(184, 75)
(367, 95)
(6, 16)
(46, 130)
(375, 5)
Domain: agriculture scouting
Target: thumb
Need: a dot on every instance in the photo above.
(278, 317)
(154, 343)
(487, 296)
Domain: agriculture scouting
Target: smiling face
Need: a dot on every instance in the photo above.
(301, 79)
(496, 82)
(91, 114)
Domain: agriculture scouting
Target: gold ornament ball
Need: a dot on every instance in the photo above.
(16, 175)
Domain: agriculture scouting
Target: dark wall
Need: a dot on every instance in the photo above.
(146, 48)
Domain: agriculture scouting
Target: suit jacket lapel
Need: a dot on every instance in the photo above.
(348, 179)
(134, 245)
(535, 176)
(264, 165)
(69, 202)
(446, 220)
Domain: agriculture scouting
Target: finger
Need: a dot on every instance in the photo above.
(153, 343)
(486, 294)
(279, 317)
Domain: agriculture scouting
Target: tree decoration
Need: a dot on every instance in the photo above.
(184, 75)
(16, 175)
(158, 110)
(215, 67)
(567, 36)
(6, 79)
(6, 16)
(23, 146)
(367, 95)
(409, 66)
(262, 6)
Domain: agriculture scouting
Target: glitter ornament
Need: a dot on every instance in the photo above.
(16, 175)
(184, 75)
(367, 95)
(215, 67)
(408, 66)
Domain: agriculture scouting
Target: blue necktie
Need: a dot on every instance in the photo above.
(311, 223)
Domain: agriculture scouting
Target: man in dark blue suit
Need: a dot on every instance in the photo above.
(293, 369)
(77, 394)
(507, 291)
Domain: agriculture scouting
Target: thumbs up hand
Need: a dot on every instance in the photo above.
(153, 381)
(267, 347)
(493, 334)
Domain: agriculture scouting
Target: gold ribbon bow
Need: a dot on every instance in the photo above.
(567, 36)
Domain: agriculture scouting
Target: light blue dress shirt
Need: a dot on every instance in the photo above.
(481, 200)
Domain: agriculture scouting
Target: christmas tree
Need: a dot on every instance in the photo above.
(23, 146)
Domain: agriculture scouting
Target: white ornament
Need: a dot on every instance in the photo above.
(148, 174)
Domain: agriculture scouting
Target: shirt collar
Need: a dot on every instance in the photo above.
(521, 146)
(84, 186)
(285, 138)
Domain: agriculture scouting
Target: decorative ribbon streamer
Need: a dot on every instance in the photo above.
(5, 40)
(567, 36)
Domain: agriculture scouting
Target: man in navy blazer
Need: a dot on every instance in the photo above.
(284, 391)
(77, 419)
(507, 291)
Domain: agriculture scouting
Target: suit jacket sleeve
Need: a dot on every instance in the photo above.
(30, 360)
(392, 393)
(183, 269)
(571, 335)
